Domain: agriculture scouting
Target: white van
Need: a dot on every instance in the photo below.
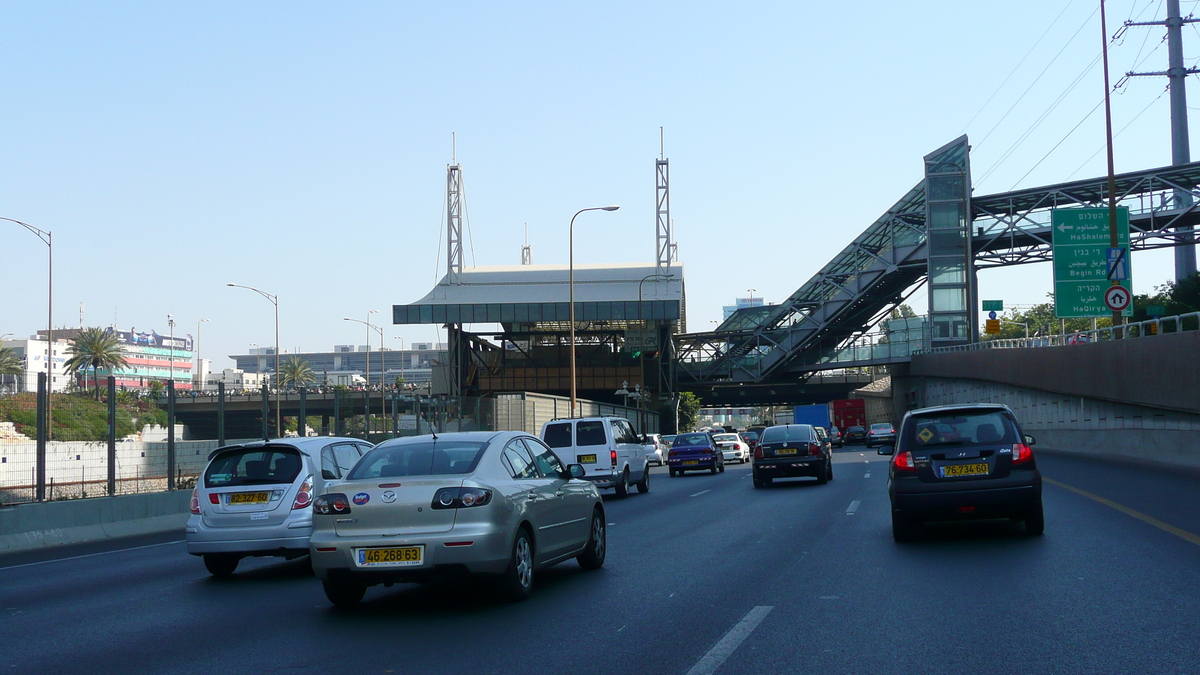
(612, 454)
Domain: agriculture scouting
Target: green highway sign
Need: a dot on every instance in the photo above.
(1080, 240)
(993, 305)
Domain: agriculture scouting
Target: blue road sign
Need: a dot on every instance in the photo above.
(991, 315)
(1118, 270)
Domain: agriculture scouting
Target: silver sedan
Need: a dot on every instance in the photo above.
(424, 507)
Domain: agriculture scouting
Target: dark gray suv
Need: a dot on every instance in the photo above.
(962, 462)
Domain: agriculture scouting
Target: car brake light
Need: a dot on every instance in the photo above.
(758, 452)
(613, 455)
(460, 498)
(904, 462)
(214, 498)
(334, 504)
(195, 500)
(304, 495)
(814, 448)
(1021, 453)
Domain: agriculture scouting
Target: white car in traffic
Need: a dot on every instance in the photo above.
(732, 447)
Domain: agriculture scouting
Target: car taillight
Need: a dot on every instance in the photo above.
(1021, 453)
(460, 498)
(195, 500)
(613, 455)
(304, 495)
(814, 448)
(333, 504)
(214, 498)
(758, 452)
(904, 462)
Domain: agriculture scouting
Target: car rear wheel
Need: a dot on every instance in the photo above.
(622, 486)
(643, 485)
(713, 468)
(592, 557)
(829, 469)
(903, 529)
(343, 593)
(672, 471)
(823, 474)
(221, 564)
(1035, 522)
(517, 582)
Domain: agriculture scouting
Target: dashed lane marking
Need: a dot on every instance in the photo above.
(1149, 520)
(853, 507)
(700, 493)
(867, 474)
(710, 662)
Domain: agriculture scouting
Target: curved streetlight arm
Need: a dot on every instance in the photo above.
(656, 275)
(274, 299)
(377, 329)
(47, 239)
(571, 288)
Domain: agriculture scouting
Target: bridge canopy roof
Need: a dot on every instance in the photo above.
(539, 293)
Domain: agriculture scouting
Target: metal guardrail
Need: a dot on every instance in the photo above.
(1140, 329)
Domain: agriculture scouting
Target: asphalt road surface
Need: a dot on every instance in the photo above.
(704, 575)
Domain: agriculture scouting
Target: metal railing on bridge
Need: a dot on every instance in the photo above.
(1140, 329)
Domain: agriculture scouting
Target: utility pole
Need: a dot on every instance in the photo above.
(1176, 73)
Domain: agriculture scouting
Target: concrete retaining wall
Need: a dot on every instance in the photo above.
(31, 526)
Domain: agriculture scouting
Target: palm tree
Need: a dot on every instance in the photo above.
(10, 363)
(295, 372)
(95, 348)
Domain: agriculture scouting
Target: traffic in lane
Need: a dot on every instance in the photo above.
(691, 567)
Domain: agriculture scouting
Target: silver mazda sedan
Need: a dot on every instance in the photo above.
(497, 503)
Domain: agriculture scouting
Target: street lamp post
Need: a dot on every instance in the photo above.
(571, 288)
(47, 239)
(274, 300)
(171, 361)
(379, 329)
(197, 356)
(403, 358)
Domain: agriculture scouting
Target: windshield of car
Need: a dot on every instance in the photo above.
(259, 465)
(690, 439)
(854, 429)
(881, 427)
(960, 428)
(725, 438)
(794, 432)
(750, 435)
(422, 458)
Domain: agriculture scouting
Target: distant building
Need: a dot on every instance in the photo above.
(347, 364)
(740, 303)
(33, 352)
(234, 380)
(151, 357)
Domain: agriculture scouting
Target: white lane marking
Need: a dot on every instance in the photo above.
(853, 507)
(716, 656)
(700, 493)
(867, 474)
(92, 555)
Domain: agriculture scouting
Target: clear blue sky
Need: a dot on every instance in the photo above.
(301, 148)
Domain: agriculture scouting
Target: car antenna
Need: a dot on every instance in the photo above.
(433, 432)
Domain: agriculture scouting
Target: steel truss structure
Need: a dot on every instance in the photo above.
(888, 261)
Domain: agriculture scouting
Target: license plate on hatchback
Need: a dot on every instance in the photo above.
(249, 497)
(786, 451)
(586, 459)
(400, 556)
(955, 470)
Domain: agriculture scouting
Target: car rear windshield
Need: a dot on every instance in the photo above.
(725, 438)
(960, 428)
(798, 432)
(259, 465)
(690, 439)
(881, 427)
(423, 458)
(750, 435)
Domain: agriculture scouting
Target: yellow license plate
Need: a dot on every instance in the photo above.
(964, 470)
(586, 459)
(403, 556)
(786, 451)
(691, 461)
(249, 497)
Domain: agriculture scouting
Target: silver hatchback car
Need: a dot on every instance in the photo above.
(254, 499)
(423, 507)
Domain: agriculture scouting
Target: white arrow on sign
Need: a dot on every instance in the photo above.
(1064, 228)
(1117, 298)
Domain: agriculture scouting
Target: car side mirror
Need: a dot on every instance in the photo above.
(326, 474)
(576, 470)
(887, 450)
(1030, 440)
(644, 438)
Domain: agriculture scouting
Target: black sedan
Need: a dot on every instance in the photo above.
(855, 435)
(963, 462)
(790, 451)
